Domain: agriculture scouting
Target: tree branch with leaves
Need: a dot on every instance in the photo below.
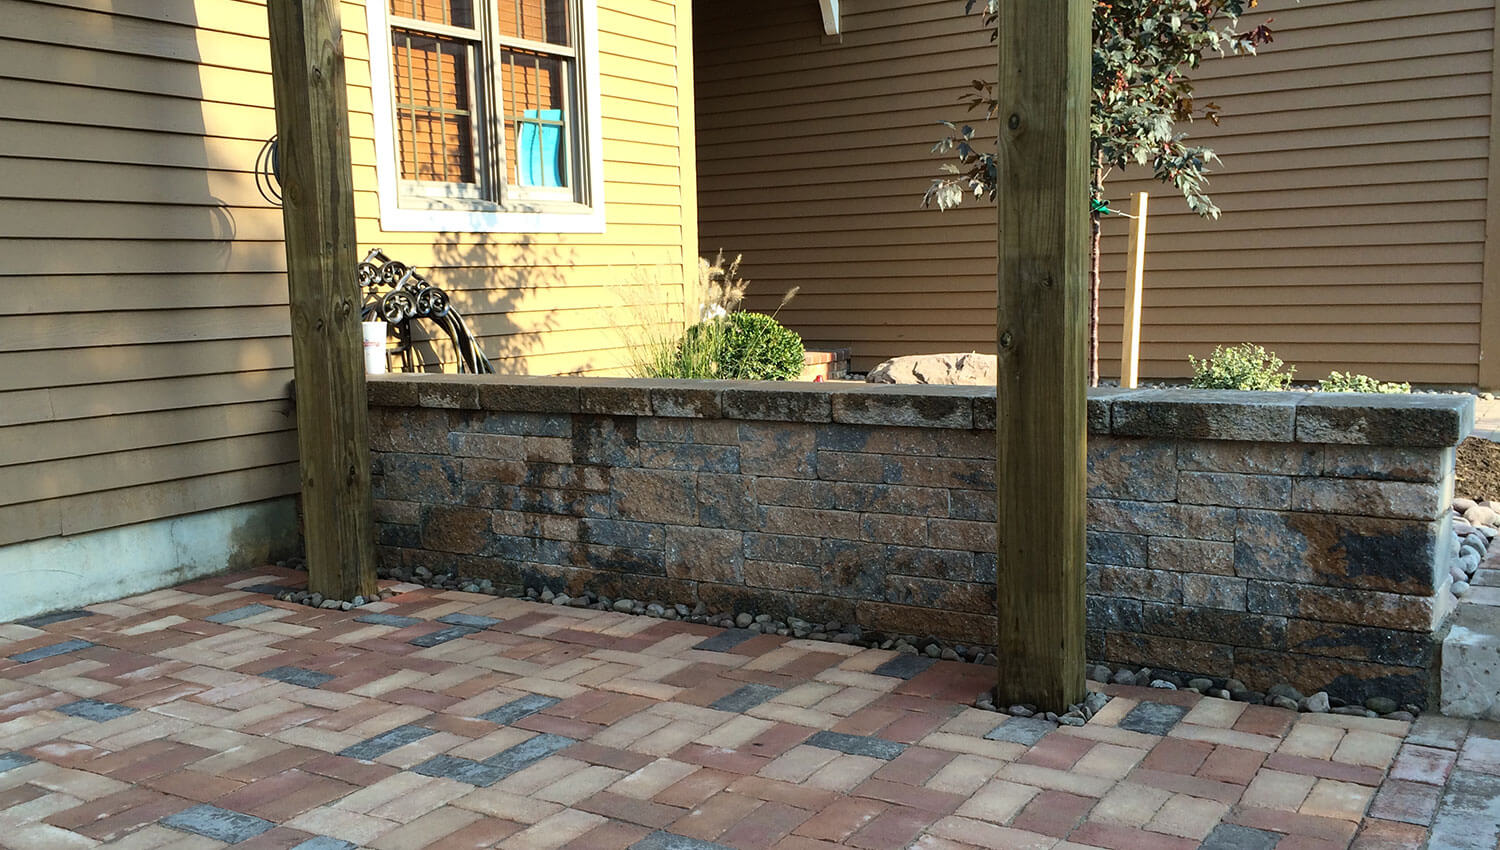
(1143, 54)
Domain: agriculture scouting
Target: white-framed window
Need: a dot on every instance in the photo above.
(487, 115)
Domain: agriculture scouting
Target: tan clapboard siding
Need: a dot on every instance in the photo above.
(145, 363)
(1356, 150)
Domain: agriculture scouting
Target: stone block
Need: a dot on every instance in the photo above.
(1113, 614)
(1389, 463)
(452, 392)
(393, 390)
(1399, 556)
(1371, 419)
(615, 397)
(1342, 605)
(1139, 470)
(530, 394)
(607, 440)
(960, 473)
(549, 449)
(1100, 400)
(619, 559)
(780, 402)
(850, 466)
(893, 528)
(865, 498)
(1347, 679)
(972, 504)
(905, 406)
(418, 430)
(1121, 550)
(1206, 414)
(1160, 652)
(687, 400)
(418, 478)
(921, 442)
(911, 620)
(1191, 556)
(777, 576)
(1211, 625)
(1147, 585)
(777, 519)
(522, 424)
(1470, 681)
(614, 532)
(661, 429)
(961, 534)
(705, 554)
(984, 413)
(1399, 499)
(1372, 643)
(727, 501)
(1164, 519)
(690, 457)
(1214, 591)
(1234, 490)
(785, 548)
(1250, 458)
(782, 450)
(493, 446)
(392, 511)
(940, 595)
(655, 495)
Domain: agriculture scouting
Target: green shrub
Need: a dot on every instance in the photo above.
(1243, 367)
(1342, 382)
(739, 346)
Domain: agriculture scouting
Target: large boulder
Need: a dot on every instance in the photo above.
(967, 368)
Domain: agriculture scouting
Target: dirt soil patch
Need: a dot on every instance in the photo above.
(1478, 473)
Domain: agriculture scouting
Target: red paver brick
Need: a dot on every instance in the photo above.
(778, 739)
(733, 761)
(776, 791)
(1265, 720)
(353, 771)
(926, 799)
(1304, 842)
(720, 812)
(1177, 755)
(1376, 834)
(867, 721)
(1054, 813)
(893, 829)
(193, 785)
(915, 766)
(771, 823)
(1116, 837)
(1325, 769)
(609, 756)
(1236, 765)
(279, 838)
(575, 729)
(913, 726)
(286, 795)
(630, 810)
(1059, 752)
(1423, 764)
(609, 836)
(1208, 789)
(694, 789)
(1407, 802)
(1293, 823)
(103, 807)
(842, 818)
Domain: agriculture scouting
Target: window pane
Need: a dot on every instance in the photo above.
(455, 13)
(538, 129)
(536, 20)
(434, 118)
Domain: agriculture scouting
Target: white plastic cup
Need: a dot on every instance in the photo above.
(374, 347)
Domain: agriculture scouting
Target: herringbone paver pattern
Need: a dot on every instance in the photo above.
(210, 715)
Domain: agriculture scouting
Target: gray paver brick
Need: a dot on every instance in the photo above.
(265, 587)
(10, 761)
(746, 697)
(442, 636)
(857, 745)
(298, 676)
(50, 650)
(54, 617)
(219, 824)
(729, 639)
(92, 709)
(473, 621)
(388, 620)
(905, 666)
(239, 613)
(1228, 836)
(1468, 818)
(1022, 730)
(529, 752)
(517, 709)
(383, 743)
(324, 842)
(463, 770)
(660, 840)
(1153, 718)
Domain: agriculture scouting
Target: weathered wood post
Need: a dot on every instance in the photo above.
(312, 122)
(1135, 273)
(1043, 92)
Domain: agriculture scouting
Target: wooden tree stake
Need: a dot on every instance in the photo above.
(1135, 272)
(312, 122)
(1041, 320)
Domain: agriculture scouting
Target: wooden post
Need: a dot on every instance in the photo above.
(1135, 271)
(1041, 319)
(317, 186)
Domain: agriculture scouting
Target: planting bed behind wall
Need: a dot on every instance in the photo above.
(1270, 536)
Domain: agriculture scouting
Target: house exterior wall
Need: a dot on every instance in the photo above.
(144, 335)
(1355, 156)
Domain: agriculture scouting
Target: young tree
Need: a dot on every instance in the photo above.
(1144, 51)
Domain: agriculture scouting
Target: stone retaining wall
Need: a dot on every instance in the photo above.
(1270, 536)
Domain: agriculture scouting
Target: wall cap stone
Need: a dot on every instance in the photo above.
(1178, 413)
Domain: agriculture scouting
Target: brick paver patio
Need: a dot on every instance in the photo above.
(210, 715)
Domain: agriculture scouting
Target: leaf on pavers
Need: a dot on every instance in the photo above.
(324, 842)
(1153, 718)
(660, 840)
(388, 620)
(443, 636)
(857, 745)
(10, 761)
(462, 770)
(727, 640)
(517, 709)
(92, 709)
(473, 621)
(300, 676)
(54, 617)
(373, 748)
(1228, 836)
(905, 666)
(1022, 730)
(50, 650)
(219, 824)
(239, 613)
(746, 697)
(529, 752)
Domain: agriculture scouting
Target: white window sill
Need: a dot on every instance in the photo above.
(396, 219)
